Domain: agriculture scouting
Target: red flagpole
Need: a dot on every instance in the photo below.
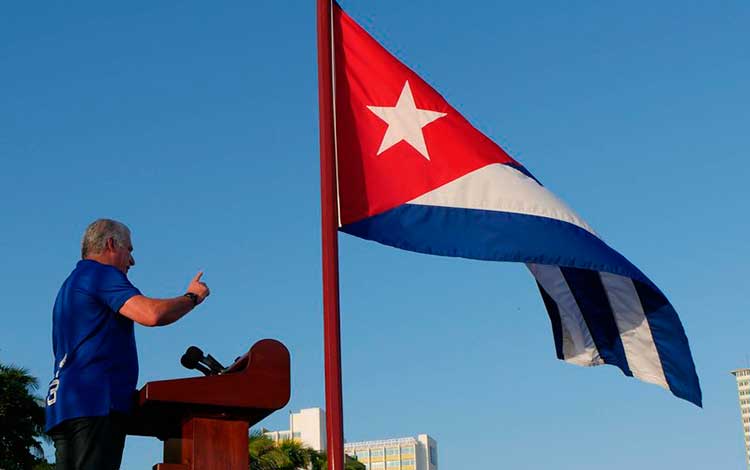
(329, 226)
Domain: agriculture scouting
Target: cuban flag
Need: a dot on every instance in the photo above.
(414, 174)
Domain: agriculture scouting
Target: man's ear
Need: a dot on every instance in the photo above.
(111, 244)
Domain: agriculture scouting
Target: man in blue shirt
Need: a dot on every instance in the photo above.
(96, 362)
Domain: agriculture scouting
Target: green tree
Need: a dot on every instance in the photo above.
(21, 420)
(298, 454)
(353, 464)
(350, 463)
(262, 452)
(265, 454)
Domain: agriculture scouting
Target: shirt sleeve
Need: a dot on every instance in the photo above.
(115, 288)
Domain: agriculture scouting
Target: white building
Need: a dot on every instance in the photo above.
(307, 425)
(743, 391)
(405, 453)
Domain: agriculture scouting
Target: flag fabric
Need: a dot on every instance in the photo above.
(415, 174)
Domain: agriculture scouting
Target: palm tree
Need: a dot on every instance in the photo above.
(350, 463)
(289, 454)
(21, 420)
(265, 454)
(299, 455)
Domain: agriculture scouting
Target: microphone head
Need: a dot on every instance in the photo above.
(187, 362)
(191, 358)
(194, 352)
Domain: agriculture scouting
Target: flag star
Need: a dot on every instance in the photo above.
(405, 122)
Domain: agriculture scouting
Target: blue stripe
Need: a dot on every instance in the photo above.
(523, 170)
(494, 236)
(588, 291)
(671, 344)
(505, 236)
(554, 317)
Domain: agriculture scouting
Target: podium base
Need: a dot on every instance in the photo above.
(208, 444)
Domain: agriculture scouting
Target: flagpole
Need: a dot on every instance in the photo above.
(329, 238)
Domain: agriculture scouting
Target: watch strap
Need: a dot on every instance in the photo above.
(193, 297)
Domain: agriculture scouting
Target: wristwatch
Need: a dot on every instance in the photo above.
(193, 297)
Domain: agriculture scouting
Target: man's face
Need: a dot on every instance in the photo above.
(123, 255)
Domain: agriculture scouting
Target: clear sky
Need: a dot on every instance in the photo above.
(196, 124)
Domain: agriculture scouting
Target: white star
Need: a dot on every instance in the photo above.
(405, 122)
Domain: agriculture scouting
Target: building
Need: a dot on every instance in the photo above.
(308, 426)
(743, 391)
(405, 453)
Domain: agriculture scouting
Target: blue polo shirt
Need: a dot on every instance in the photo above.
(96, 362)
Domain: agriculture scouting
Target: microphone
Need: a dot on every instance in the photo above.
(213, 364)
(195, 359)
(189, 362)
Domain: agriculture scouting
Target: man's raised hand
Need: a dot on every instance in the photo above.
(199, 288)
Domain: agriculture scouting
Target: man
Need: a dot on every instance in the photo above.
(96, 363)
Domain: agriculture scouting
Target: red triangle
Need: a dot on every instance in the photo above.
(368, 75)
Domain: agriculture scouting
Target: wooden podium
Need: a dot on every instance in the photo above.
(204, 421)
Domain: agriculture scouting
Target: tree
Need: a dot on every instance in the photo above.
(21, 420)
(265, 454)
(350, 463)
(299, 455)
(290, 454)
(262, 452)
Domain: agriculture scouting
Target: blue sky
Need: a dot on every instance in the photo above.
(196, 124)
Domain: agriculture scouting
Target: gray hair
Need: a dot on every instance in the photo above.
(99, 231)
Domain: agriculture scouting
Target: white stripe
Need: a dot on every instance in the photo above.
(578, 346)
(635, 332)
(501, 188)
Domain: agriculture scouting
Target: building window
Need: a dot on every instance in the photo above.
(433, 455)
(391, 451)
(392, 464)
(408, 462)
(407, 450)
(377, 465)
(363, 454)
(376, 452)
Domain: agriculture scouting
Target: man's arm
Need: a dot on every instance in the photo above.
(158, 312)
